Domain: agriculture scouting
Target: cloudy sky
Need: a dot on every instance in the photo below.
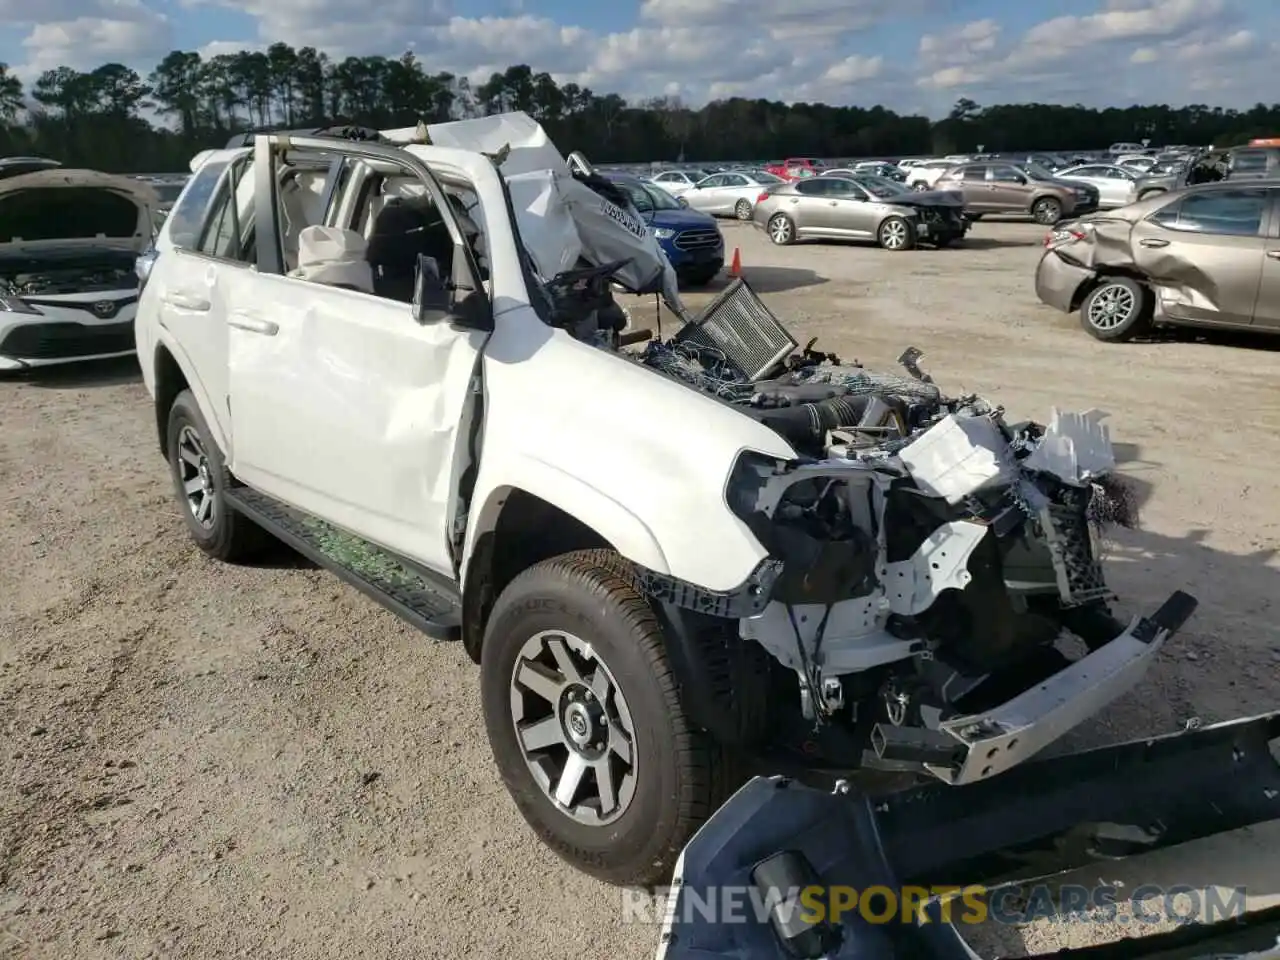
(914, 55)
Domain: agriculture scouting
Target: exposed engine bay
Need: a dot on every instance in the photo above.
(51, 273)
(928, 557)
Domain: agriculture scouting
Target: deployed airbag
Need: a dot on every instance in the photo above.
(334, 257)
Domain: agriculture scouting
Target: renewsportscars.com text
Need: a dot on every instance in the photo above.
(1066, 903)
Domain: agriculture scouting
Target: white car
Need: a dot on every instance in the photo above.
(678, 182)
(1137, 164)
(1117, 185)
(925, 174)
(69, 240)
(730, 194)
(387, 354)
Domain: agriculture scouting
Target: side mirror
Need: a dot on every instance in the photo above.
(459, 300)
(682, 201)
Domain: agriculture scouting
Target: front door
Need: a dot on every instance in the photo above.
(344, 406)
(1205, 251)
(1008, 189)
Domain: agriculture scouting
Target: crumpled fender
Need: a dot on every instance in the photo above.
(639, 458)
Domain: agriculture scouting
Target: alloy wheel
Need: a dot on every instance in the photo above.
(195, 473)
(743, 210)
(780, 230)
(574, 728)
(893, 235)
(1111, 307)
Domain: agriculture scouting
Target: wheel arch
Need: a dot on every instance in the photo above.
(1101, 276)
(1046, 195)
(519, 526)
(172, 372)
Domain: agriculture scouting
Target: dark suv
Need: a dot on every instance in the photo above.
(995, 187)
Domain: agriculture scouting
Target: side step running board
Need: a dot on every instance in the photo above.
(415, 595)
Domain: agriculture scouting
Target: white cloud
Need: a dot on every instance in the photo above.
(837, 51)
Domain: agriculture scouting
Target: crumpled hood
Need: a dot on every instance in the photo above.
(927, 198)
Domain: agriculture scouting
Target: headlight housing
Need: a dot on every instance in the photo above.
(17, 305)
(663, 233)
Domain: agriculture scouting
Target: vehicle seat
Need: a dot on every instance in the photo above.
(293, 206)
(333, 257)
(401, 231)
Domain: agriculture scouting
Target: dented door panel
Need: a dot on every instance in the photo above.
(1201, 277)
(1267, 312)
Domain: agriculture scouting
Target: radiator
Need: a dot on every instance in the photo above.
(739, 325)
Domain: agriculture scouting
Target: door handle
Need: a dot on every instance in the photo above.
(835, 203)
(1153, 243)
(1274, 254)
(795, 199)
(243, 321)
(187, 301)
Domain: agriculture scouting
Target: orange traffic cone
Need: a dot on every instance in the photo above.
(735, 268)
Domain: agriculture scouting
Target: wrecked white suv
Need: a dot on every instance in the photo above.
(68, 242)
(400, 354)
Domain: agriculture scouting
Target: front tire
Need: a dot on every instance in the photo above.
(896, 234)
(1046, 211)
(200, 479)
(742, 210)
(586, 724)
(781, 230)
(1116, 310)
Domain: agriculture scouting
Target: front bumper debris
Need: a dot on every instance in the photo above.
(775, 837)
(1001, 738)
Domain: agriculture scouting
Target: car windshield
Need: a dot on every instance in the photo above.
(648, 199)
(878, 186)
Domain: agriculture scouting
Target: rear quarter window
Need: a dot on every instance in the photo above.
(186, 220)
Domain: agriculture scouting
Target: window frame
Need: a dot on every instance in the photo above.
(1266, 223)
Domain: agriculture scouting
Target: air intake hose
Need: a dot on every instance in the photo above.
(806, 424)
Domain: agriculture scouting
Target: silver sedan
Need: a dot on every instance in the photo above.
(1117, 185)
(731, 194)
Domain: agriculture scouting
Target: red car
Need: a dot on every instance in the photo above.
(797, 168)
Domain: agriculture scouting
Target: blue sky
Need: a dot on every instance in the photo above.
(916, 55)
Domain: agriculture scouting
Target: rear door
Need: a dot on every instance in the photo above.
(814, 208)
(1266, 312)
(1205, 251)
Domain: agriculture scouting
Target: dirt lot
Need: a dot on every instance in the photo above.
(206, 761)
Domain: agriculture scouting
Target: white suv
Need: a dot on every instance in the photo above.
(389, 354)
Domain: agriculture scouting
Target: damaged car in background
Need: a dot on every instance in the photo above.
(68, 243)
(857, 207)
(1207, 256)
(672, 555)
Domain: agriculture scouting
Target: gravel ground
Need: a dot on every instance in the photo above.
(208, 761)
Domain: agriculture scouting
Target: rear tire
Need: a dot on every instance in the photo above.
(742, 210)
(200, 480)
(575, 630)
(1046, 211)
(1116, 310)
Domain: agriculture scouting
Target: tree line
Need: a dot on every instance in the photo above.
(100, 118)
